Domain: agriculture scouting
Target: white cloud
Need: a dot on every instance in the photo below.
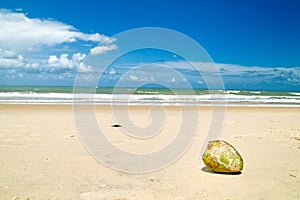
(53, 61)
(75, 63)
(8, 54)
(96, 38)
(112, 72)
(34, 38)
(10, 59)
(18, 31)
(19, 9)
(234, 76)
(85, 68)
(103, 49)
(77, 57)
(35, 65)
(64, 62)
(134, 78)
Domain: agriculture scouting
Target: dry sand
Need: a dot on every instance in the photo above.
(41, 156)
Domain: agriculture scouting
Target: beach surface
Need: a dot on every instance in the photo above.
(42, 157)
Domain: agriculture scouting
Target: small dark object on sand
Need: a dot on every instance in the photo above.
(116, 125)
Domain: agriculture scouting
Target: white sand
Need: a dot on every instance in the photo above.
(41, 156)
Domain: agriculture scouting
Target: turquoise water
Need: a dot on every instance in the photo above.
(142, 96)
(102, 90)
(141, 91)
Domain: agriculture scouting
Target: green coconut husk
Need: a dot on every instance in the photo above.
(222, 157)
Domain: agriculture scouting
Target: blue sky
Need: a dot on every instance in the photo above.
(255, 44)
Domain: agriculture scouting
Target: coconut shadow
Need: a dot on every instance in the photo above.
(205, 169)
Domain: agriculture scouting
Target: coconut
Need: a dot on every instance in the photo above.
(222, 157)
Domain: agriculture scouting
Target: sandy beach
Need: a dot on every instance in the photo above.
(41, 156)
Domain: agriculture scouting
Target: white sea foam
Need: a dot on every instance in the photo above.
(157, 99)
(295, 93)
(256, 92)
(232, 91)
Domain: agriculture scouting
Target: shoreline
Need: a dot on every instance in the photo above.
(152, 97)
(163, 105)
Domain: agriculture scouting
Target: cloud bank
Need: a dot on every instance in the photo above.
(103, 49)
(19, 32)
(44, 48)
(179, 73)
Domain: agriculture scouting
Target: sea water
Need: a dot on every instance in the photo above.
(146, 96)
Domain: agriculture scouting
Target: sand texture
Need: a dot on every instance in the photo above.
(41, 156)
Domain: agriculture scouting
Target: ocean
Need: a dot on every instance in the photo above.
(147, 96)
